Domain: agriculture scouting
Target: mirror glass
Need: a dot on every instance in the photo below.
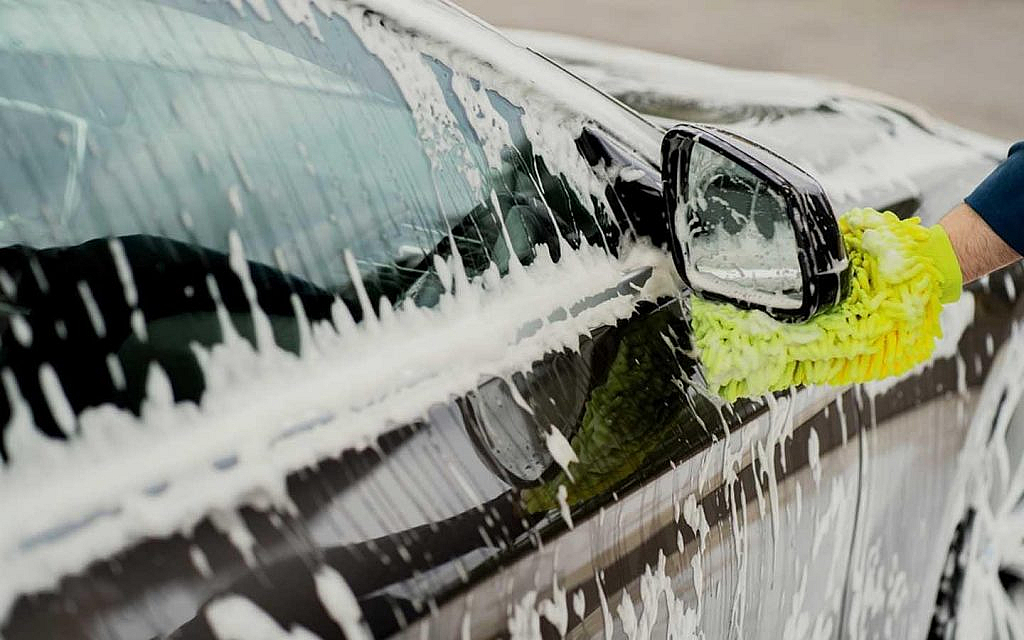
(737, 232)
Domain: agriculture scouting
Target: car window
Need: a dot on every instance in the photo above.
(165, 161)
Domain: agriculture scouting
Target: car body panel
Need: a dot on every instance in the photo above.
(751, 539)
(422, 476)
(901, 534)
(920, 453)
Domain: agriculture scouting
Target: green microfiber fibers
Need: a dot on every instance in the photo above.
(886, 325)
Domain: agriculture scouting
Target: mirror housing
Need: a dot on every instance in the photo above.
(779, 189)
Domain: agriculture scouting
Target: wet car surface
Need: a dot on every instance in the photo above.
(357, 319)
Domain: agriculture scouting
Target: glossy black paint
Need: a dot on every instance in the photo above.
(402, 573)
(501, 529)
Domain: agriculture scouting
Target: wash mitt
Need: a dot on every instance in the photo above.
(901, 273)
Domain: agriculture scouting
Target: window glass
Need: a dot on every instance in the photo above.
(159, 159)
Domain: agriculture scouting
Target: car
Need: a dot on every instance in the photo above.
(362, 319)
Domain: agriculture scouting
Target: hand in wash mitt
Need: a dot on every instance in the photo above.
(901, 275)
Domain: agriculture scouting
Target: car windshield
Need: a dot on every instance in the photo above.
(153, 153)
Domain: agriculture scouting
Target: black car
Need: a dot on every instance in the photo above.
(354, 318)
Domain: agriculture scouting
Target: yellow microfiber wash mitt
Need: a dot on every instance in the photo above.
(900, 275)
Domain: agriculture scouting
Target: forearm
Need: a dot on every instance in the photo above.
(978, 248)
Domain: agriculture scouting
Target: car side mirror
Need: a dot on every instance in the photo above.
(749, 227)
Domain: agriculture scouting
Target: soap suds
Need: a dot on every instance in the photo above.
(561, 450)
(341, 604)
(563, 505)
(236, 618)
(253, 392)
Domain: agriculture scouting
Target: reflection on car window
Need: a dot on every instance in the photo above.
(624, 405)
(145, 144)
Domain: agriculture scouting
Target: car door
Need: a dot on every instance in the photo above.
(316, 324)
(701, 541)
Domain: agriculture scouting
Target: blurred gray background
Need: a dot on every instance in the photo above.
(960, 59)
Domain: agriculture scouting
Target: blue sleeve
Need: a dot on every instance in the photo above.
(999, 200)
